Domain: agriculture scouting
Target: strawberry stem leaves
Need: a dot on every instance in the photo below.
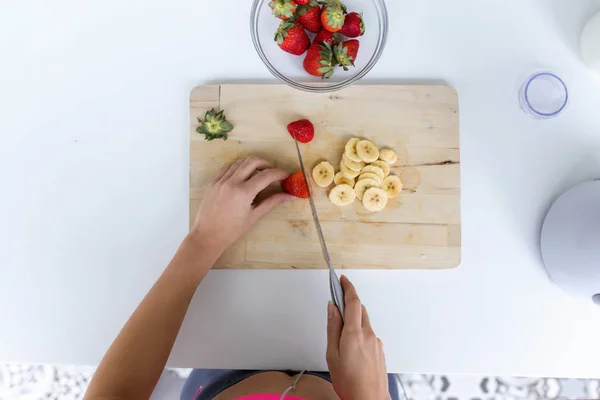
(327, 61)
(283, 9)
(335, 15)
(214, 125)
(282, 33)
(342, 57)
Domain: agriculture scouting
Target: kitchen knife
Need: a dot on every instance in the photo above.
(335, 288)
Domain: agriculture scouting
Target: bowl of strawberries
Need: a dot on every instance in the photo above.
(319, 45)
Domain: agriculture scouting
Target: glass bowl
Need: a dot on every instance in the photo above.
(288, 67)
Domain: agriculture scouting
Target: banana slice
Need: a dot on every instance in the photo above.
(350, 150)
(342, 195)
(374, 170)
(323, 174)
(392, 185)
(367, 151)
(388, 156)
(340, 179)
(370, 175)
(385, 167)
(363, 185)
(347, 172)
(374, 199)
(353, 165)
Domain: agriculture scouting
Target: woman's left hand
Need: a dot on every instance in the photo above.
(227, 211)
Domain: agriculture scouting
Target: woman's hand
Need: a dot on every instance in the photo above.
(354, 353)
(228, 211)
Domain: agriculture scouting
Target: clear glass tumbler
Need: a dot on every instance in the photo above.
(544, 95)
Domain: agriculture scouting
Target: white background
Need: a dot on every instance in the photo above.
(94, 187)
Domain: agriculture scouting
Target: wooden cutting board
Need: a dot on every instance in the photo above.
(418, 229)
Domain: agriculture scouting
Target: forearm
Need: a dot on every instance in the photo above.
(131, 367)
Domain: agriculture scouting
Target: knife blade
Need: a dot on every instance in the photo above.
(335, 288)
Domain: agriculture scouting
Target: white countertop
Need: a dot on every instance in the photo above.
(94, 188)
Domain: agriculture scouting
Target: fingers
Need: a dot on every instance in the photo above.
(383, 362)
(242, 169)
(268, 204)
(366, 321)
(221, 172)
(334, 331)
(264, 178)
(249, 166)
(232, 169)
(353, 309)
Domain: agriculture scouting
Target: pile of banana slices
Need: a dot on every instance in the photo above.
(363, 161)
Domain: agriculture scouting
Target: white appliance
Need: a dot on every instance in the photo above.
(571, 240)
(590, 43)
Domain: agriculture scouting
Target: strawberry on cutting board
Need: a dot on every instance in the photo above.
(283, 9)
(333, 15)
(325, 36)
(345, 53)
(295, 185)
(309, 16)
(303, 130)
(319, 60)
(290, 37)
(353, 25)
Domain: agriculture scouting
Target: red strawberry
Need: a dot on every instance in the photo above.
(295, 185)
(346, 52)
(303, 130)
(291, 38)
(332, 16)
(353, 25)
(325, 37)
(302, 2)
(283, 9)
(310, 17)
(319, 60)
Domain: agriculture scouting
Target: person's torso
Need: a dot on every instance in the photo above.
(273, 382)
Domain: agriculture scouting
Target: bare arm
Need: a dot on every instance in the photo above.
(354, 353)
(131, 367)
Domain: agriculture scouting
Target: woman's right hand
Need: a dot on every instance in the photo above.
(354, 353)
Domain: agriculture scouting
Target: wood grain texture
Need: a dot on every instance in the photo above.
(418, 229)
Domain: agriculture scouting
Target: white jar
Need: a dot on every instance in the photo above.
(590, 43)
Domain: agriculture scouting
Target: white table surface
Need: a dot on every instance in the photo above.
(94, 188)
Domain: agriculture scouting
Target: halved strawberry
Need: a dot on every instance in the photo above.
(283, 9)
(295, 185)
(319, 60)
(333, 16)
(325, 36)
(353, 25)
(303, 130)
(345, 53)
(291, 38)
(310, 16)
